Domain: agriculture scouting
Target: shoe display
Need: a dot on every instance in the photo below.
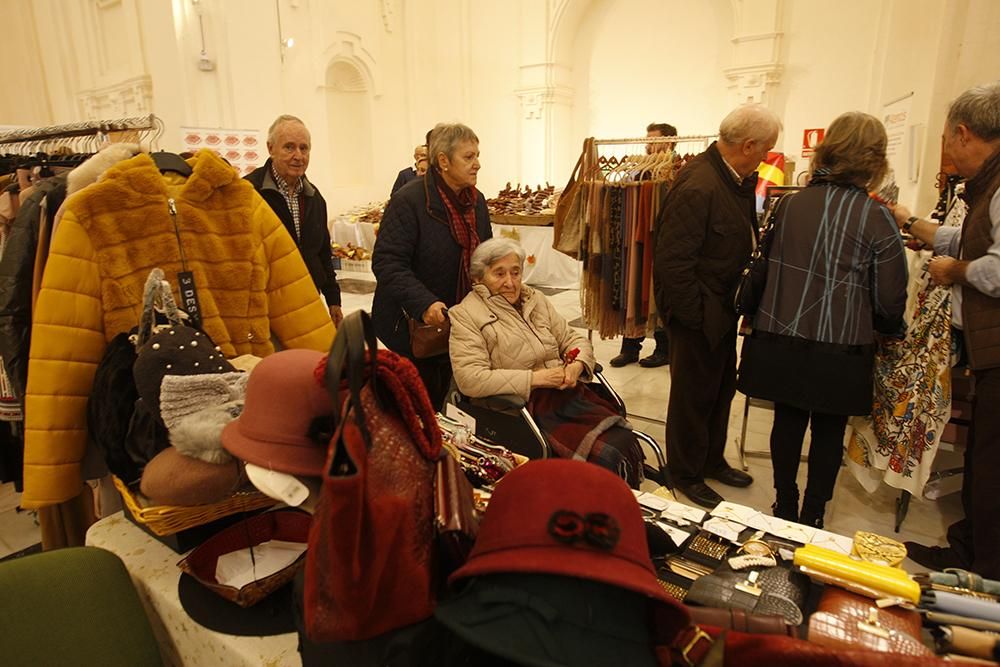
(655, 360)
(624, 359)
(701, 494)
(731, 477)
(935, 558)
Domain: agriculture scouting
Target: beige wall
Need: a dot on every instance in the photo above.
(532, 77)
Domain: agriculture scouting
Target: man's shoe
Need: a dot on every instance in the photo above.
(934, 558)
(731, 477)
(655, 360)
(701, 494)
(624, 359)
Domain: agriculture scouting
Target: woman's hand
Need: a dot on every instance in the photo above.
(571, 373)
(548, 378)
(435, 313)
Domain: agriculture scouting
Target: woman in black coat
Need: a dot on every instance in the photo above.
(836, 276)
(421, 260)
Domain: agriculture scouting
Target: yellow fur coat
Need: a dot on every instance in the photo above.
(250, 277)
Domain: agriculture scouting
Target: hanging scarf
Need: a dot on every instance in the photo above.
(461, 211)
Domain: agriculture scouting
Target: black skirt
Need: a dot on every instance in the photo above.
(809, 375)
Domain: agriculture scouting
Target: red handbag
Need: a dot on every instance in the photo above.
(371, 553)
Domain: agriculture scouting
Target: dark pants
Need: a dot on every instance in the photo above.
(635, 344)
(976, 538)
(702, 385)
(436, 375)
(825, 453)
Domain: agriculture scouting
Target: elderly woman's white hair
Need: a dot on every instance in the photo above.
(489, 252)
(750, 122)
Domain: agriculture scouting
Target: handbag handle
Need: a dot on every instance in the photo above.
(156, 293)
(356, 333)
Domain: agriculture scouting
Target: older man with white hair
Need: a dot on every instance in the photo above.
(704, 236)
(969, 259)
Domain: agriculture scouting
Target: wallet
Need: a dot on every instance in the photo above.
(962, 605)
(853, 606)
(848, 633)
(732, 590)
(707, 549)
(963, 579)
(888, 581)
(974, 643)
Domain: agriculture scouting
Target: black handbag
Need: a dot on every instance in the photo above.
(775, 591)
(753, 279)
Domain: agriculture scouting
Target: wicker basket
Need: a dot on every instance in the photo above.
(286, 525)
(166, 520)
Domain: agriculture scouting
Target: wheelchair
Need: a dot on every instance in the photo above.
(505, 420)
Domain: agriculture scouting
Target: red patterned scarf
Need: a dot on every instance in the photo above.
(461, 210)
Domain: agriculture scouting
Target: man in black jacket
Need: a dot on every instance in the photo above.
(298, 203)
(705, 234)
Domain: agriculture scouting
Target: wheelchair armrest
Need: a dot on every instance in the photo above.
(499, 402)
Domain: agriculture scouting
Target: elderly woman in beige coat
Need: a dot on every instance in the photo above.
(506, 338)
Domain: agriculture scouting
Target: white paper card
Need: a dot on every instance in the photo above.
(676, 511)
(278, 485)
(834, 542)
(739, 513)
(237, 569)
(653, 502)
(452, 412)
(724, 528)
(678, 536)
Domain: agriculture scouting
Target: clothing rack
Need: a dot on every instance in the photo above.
(705, 138)
(81, 129)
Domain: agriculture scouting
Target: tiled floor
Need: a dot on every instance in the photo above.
(645, 393)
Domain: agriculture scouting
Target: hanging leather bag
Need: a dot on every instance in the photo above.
(429, 340)
(567, 230)
(371, 553)
(753, 280)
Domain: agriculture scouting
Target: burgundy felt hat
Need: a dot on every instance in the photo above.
(568, 518)
(283, 401)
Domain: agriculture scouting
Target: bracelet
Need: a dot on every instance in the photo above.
(909, 223)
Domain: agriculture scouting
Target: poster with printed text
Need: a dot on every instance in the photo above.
(896, 118)
(244, 149)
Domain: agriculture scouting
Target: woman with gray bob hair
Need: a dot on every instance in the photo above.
(429, 231)
(490, 251)
(507, 338)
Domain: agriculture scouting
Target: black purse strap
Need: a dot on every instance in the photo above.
(355, 334)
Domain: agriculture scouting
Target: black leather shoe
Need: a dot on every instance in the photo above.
(701, 494)
(731, 477)
(655, 360)
(624, 359)
(934, 558)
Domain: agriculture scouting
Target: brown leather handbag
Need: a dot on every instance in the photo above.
(454, 512)
(371, 564)
(428, 340)
(846, 620)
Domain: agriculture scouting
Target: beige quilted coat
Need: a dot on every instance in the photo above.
(494, 348)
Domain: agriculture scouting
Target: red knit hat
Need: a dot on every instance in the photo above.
(567, 518)
(283, 402)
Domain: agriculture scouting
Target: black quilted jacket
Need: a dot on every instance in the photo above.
(416, 260)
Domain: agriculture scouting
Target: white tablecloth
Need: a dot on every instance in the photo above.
(153, 567)
(544, 267)
(549, 268)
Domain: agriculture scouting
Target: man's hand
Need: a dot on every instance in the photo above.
(548, 377)
(435, 313)
(944, 270)
(337, 315)
(571, 374)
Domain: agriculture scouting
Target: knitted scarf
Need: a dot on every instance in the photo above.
(461, 210)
